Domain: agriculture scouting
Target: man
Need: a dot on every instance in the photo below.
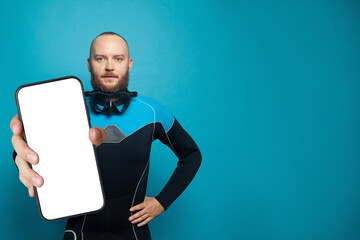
(128, 124)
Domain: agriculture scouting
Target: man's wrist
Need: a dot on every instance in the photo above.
(165, 208)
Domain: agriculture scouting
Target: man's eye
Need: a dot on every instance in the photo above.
(99, 59)
(118, 59)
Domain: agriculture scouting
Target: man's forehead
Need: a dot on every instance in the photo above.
(109, 44)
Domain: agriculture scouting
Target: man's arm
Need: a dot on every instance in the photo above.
(188, 164)
(168, 131)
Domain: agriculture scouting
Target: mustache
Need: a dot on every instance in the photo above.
(110, 75)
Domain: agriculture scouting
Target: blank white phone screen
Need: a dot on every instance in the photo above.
(56, 127)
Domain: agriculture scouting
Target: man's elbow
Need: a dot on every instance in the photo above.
(198, 158)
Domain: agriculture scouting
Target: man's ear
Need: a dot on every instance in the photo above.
(88, 60)
(130, 63)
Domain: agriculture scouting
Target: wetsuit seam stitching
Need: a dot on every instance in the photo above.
(82, 228)
(73, 232)
(147, 164)
(169, 127)
(154, 116)
(172, 147)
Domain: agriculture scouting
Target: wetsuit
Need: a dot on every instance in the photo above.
(124, 166)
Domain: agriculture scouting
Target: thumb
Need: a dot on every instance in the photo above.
(97, 135)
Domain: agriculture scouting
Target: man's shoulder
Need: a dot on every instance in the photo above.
(151, 102)
(162, 115)
(146, 100)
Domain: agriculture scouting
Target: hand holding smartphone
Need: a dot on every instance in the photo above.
(56, 126)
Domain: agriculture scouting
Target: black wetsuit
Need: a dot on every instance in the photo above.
(124, 166)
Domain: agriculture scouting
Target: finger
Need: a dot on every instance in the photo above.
(137, 207)
(29, 174)
(137, 215)
(97, 135)
(146, 221)
(32, 191)
(23, 150)
(28, 185)
(24, 181)
(16, 125)
(139, 219)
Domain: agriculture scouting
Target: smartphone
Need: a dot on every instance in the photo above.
(56, 126)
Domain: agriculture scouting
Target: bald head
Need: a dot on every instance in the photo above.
(110, 36)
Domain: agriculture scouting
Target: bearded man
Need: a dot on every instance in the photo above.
(127, 124)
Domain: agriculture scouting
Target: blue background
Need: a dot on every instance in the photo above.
(269, 90)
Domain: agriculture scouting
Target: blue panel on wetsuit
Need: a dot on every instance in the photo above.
(141, 112)
(162, 115)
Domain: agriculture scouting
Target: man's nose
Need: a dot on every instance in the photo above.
(109, 66)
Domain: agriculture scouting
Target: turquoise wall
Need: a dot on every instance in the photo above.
(269, 90)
